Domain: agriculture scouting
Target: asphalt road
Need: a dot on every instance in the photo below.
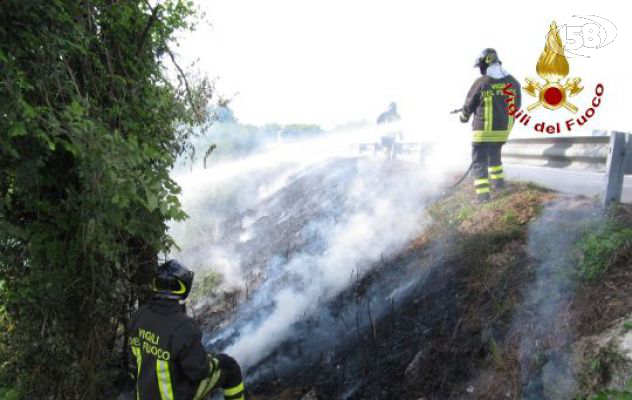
(586, 183)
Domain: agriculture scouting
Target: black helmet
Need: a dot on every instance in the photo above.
(487, 57)
(172, 281)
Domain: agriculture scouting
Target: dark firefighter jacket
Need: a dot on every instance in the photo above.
(388, 117)
(170, 359)
(488, 99)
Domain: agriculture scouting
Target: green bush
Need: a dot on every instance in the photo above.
(598, 247)
(90, 127)
(613, 395)
(8, 394)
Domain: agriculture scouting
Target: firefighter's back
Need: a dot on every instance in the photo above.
(491, 122)
(160, 335)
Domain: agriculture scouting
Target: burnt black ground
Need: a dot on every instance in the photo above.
(425, 323)
(425, 343)
(417, 325)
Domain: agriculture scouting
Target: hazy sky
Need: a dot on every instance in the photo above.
(329, 62)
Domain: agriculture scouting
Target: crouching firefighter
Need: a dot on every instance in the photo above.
(170, 361)
(488, 99)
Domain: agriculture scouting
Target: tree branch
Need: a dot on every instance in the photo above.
(199, 117)
(152, 18)
(206, 155)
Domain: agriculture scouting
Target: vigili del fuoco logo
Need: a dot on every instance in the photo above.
(556, 91)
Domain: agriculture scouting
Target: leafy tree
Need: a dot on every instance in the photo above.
(90, 127)
(225, 114)
(298, 131)
(230, 139)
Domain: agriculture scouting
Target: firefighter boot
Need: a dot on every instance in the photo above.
(497, 177)
(482, 189)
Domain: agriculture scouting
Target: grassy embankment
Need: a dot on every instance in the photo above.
(482, 284)
(492, 238)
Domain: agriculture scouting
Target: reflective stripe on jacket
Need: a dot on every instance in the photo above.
(168, 352)
(488, 99)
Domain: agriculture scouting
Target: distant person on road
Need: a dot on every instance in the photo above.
(170, 361)
(487, 100)
(393, 133)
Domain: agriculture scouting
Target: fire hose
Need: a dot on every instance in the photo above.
(458, 110)
(464, 175)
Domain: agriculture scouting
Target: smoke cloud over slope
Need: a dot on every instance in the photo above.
(373, 217)
(308, 219)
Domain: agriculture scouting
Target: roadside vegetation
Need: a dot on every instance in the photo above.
(491, 239)
(602, 247)
(599, 370)
(230, 139)
(604, 308)
(90, 127)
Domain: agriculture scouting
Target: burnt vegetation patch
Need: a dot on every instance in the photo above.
(453, 315)
(429, 336)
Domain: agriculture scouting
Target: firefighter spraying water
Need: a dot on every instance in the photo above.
(487, 101)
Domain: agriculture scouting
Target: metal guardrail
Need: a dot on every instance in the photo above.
(619, 163)
(400, 147)
(576, 152)
(610, 154)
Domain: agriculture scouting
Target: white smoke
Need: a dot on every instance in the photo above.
(552, 237)
(385, 219)
(382, 210)
(212, 196)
